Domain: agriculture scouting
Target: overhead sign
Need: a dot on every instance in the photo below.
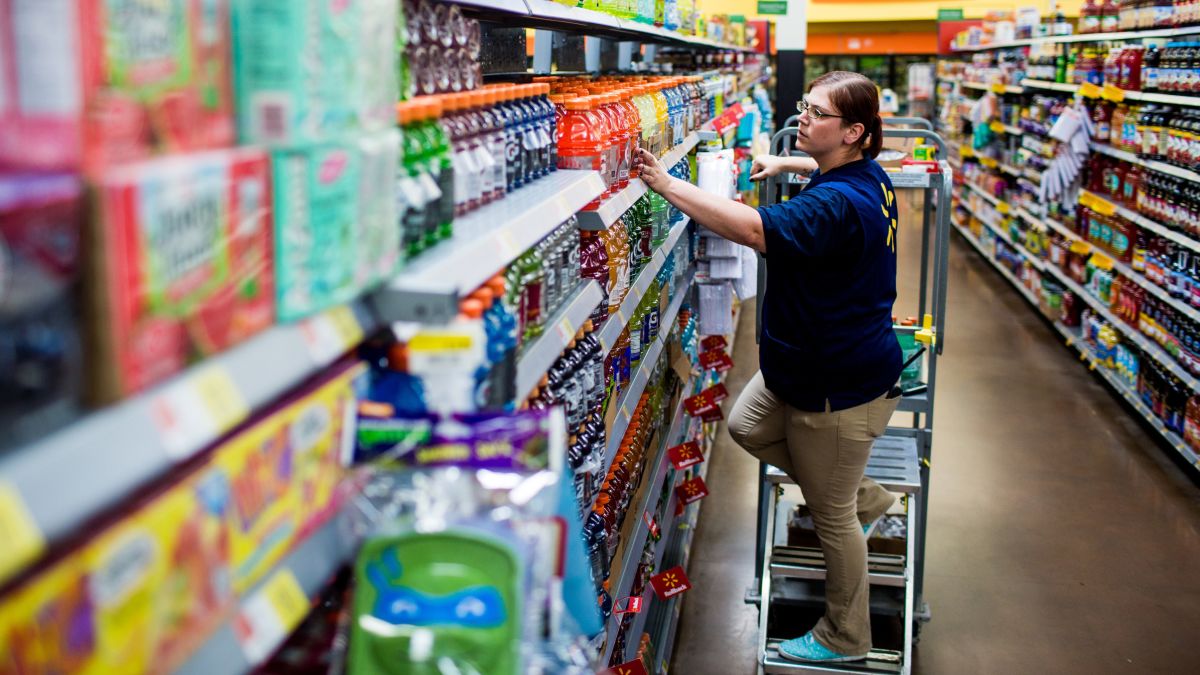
(772, 7)
(950, 15)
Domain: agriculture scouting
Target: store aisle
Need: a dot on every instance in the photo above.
(1061, 537)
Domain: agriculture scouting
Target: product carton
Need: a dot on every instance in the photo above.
(91, 83)
(154, 584)
(311, 70)
(181, 265)
(337, 229)
(41, 365)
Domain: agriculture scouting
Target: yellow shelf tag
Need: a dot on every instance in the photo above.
(1112, 93)
(439, 342)
(1103, 206)
(1089, 90)
(965, 151)
(989, 162)
(997, 127)
(195, 410)
(331, 334)
(268, 616)
(997, 87)
(1003, 207)
(23, 541)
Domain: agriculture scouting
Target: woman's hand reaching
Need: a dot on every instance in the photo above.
(765, 166)
(654, 174)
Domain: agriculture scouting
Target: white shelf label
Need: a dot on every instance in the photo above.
(196, 410)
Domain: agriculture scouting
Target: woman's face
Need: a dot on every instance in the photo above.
(821, 129)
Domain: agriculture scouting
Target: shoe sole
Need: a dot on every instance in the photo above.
(840, 659)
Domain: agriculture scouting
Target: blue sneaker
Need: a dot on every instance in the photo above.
(808, 649)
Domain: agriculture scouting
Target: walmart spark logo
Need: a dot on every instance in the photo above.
(890, 198)
(691, 488)
(670, 580)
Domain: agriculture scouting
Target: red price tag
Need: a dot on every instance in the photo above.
(716, 360)
(655, 532)
(631, 605)
(685, 455)
(712, 415)
(634, 667)
(713, 342)
(670, 583)
(692, 490)
(719, 392)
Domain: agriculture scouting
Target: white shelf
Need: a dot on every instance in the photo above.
(979, 86)
(546, 10)
(1148, 346)
(640, 377)
(313, 563)
(1155, 227)
(1172, 99)
(1154, 165)
(114, 451)
(612, 328)
(484, 241)
(1052, 86)
(537, 358)
(614, 207)
(1074, 340)
(634, 545)
(1087, 37)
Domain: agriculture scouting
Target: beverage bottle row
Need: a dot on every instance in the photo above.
(543, 278)
(1170, 135)
(440, 49)
(1165, 395)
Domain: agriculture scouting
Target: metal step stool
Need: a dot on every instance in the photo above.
(893, 464)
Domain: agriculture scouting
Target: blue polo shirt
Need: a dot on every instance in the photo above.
(831, 283)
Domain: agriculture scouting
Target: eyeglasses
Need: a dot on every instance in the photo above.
(813, 111)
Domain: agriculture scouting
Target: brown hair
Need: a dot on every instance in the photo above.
(857, 100)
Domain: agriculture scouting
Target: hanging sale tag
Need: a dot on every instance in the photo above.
(719, 392)
(713, 342)
(670, 583)
(716, 360)
(634, 667)
(692, 490)
(712, 415)
(699, 403)
(632, 605)
(684, 455)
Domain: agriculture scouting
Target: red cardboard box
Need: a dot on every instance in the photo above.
(181, 265)
(90, 83)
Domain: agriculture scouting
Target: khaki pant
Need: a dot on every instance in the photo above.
(825, 453)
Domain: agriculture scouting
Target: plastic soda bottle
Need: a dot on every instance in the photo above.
(581, 143)
(440, 165)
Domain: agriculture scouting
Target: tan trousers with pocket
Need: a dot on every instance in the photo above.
(825, 453)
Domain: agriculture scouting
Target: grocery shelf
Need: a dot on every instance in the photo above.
(509, 6)
(612, 328)
(547, 12)
(1154, 165)
(1086, 37)
(640, 377)
(537, 358)
(614, 207)
(428, 289)
(114, 451)
(1148, 346)
(1033, 260)
(636, 542)
(1075, 339)
(1144, 222)
(251, 635)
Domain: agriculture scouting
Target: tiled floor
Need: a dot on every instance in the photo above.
(1061, 537)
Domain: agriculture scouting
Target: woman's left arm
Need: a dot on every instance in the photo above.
(732, 220)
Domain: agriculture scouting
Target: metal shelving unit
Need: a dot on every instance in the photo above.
(1073, 339)
(639, 378)
(484, 241)
(1086, 37)
(1149, 97)
(114, 451)
(1153, 165)
(537, 358)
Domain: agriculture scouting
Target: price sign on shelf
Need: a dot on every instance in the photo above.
(989, 162)
(22, 540)
(716, 360)
(270, 615)
(997, 87)
(1112, 93)
(1089, 90)
(1003, 207)
(997, 127)
(692, 490)
(331, 334)
(685, 454)
(196, 409)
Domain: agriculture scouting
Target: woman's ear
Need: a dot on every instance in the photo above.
(854, 133)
